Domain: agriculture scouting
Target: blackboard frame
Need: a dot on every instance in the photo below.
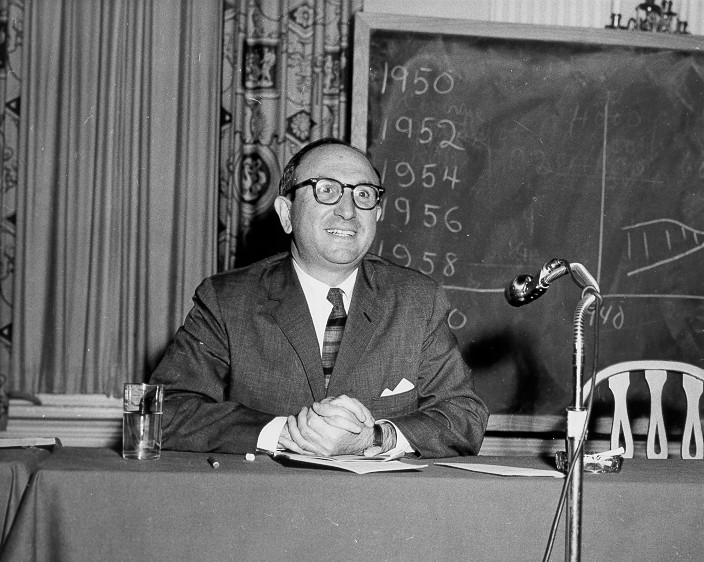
(367, 23)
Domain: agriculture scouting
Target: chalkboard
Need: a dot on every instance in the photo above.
(503, 146)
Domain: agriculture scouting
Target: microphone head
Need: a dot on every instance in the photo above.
(519, 291)
(525, 288)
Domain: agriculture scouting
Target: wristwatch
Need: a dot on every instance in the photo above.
(378, 436)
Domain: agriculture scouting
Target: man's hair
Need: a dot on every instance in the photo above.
(288, 177)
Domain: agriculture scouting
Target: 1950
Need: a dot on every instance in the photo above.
(423, 80)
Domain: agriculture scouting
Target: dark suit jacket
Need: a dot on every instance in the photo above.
(247, 352)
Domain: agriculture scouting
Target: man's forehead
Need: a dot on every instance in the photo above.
(328, 157)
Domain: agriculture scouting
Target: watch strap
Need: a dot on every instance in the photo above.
(378, 436)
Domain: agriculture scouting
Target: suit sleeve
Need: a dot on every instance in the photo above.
(195, 371)
(451, 418)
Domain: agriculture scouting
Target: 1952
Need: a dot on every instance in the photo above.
(425, 130)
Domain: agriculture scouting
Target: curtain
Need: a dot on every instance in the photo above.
(11, 16)
(285, 83)
(117, 186)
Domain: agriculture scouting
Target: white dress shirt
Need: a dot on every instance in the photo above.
(316, 294)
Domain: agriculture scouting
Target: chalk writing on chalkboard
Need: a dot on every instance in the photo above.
(499, 153)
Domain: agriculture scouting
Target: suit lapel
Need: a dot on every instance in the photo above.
(290, 311)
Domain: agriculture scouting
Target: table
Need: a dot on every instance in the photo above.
(90, 504)
(16, 467)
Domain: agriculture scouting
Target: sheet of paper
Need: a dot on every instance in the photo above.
(352, 463)
(501, 470)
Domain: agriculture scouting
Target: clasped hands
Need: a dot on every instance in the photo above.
(338, 425)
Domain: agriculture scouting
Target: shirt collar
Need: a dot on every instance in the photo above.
(317, 289)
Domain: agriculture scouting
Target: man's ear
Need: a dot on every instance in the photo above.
(378, 212)
(282, 205)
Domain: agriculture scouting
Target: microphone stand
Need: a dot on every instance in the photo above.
(577, 414)
(522, 290)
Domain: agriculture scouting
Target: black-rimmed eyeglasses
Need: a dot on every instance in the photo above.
(328, 191)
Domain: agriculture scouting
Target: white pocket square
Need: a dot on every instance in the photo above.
(404, 386)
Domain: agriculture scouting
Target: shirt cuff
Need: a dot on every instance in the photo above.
(269, 436)
(402, 444)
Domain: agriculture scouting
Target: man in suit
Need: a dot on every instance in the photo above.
(246, 370)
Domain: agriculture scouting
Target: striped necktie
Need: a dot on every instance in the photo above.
(333, 332)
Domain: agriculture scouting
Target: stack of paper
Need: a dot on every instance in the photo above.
(358, 464)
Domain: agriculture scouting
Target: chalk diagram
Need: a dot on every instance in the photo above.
(650, 244)
(659, 242)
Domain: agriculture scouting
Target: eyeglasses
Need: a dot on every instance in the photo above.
(328, 191)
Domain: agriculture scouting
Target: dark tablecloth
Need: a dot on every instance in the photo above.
(90, 504)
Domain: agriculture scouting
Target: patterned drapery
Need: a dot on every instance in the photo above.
(11, 41)
(286, 66)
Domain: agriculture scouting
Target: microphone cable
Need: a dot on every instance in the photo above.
(580, 443)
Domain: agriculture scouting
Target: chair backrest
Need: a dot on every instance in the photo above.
(618, 377)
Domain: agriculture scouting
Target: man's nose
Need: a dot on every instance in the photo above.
(345, 207)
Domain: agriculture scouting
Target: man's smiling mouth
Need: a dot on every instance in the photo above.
(338, 232)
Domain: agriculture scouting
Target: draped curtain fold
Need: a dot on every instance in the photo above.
(117, 186)
(286, 68)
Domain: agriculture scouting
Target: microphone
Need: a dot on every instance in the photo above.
(526, 288)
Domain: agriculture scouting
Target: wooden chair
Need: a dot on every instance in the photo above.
(618, 376)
